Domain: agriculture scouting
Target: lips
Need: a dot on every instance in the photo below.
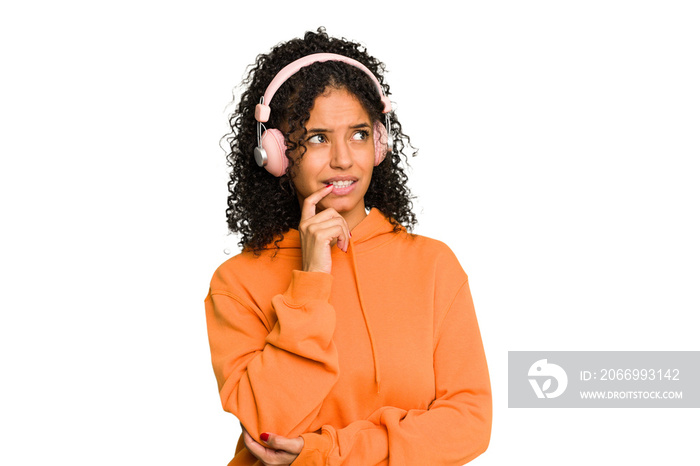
(342, 184)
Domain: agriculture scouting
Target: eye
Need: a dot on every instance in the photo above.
(361, 135)
(317, 139)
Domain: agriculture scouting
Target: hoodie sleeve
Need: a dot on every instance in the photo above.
(455, 428)
(275, 380)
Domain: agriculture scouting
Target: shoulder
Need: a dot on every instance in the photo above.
(430, 245)
(430, 265)
(241, 269)
(425, 261)
(430, 251)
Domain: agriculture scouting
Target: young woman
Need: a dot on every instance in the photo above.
(337, 337)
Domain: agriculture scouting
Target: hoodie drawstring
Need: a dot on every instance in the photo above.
(364, 314)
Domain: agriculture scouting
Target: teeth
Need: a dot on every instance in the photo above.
(342, 184)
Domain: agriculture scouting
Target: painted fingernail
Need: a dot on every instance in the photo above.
(264, 436)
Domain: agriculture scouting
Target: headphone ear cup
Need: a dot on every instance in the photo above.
(272, 141)
(380, 142)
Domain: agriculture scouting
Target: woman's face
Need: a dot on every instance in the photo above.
(339, 150)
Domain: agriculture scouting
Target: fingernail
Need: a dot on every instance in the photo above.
(264, 436)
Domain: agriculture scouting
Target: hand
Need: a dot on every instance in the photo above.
(319, 232)
(276, 451)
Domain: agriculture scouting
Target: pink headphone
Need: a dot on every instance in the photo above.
(270, 152)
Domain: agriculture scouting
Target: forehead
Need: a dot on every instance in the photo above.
(337, 107)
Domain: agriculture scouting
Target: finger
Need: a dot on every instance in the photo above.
(308, 208)
(258, 450)
(324, 215)
(278, 442)
(268, 455)
(344, 239)
(332, 231)
(249, 441)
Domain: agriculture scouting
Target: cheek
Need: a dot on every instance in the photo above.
(303, 177)
(368, 165)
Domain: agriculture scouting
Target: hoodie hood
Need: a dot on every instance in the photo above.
(373, 231)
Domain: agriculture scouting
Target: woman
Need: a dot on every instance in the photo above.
(336, 336)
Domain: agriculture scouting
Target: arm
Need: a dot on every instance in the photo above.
(456, 427)
(274, 380)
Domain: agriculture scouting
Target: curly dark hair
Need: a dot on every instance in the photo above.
(262, 207)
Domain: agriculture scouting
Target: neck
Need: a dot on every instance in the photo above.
(354, 218)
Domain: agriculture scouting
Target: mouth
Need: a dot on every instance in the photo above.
(341, 183)
(341, 187)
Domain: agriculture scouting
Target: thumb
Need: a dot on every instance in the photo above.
(278, 442)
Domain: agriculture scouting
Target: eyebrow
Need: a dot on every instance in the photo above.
(324, 130)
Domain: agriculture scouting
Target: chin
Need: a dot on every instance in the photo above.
(340, 205)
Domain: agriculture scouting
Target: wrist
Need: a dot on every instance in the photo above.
(308, 286)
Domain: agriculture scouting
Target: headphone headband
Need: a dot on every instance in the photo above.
(262, 110)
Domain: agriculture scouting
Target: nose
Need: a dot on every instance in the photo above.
(341, 155)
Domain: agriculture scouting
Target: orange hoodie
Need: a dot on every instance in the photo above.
(379, 362)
